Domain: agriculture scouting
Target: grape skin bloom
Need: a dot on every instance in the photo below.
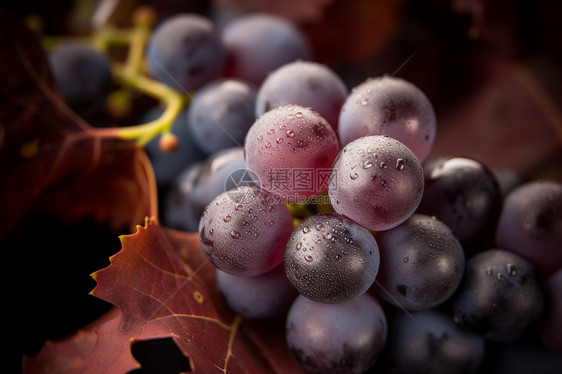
(377, 182)
(244, 232)
(344, 338)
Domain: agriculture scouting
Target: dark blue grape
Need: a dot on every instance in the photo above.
(185, 52)
(465, 195)
(260, 43)
(344, 338)
(83, 76)
(422, 263)
(551, 327)
(221, 113)
(330, 259)
(531, 224)
(500, 297)
(195, 187)
(429, 342)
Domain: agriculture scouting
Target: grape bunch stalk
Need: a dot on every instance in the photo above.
(318, 202)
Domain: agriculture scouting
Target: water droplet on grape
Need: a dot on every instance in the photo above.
(235, 234)
(406, 259)
(500, 276)
(364, 102)
(270, 223)
(327, 235)
(383, 165)
(267, 145)
(239, 207)
(353, 176)
(279, 140)
(320, 227)
(271, 131)
(211, 231)
(367, 164)
(306, 229)
(511, 270)
(299, 115)
(260, 138)
(290, 133)
(227, 219)
(400, 164)
(308, 258)
(299, 246)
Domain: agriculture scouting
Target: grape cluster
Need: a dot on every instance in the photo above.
(317, 202)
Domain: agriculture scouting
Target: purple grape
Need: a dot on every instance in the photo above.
(243, 233)
(500, 296)
(389, 106)
(83, 76)
(185, 52)
(429, 342)
(530, 224)
(260, 297)
(465, 195)
(336, 338)
(377, 182)
(330, 259)
(196, 186)
(260, 43)
(221, 114)
(304, 83)
(291, 149)
(551, 329)
(422, 263)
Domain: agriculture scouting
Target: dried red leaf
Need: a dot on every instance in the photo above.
(165, 287)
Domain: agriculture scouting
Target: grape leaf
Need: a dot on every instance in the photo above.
(51, 161)
(165, 287)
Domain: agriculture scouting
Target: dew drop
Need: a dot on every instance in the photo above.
(267, 145)
(245, 223)
(306, 229)
(500, 276)
(299, 115)
(354, 176)
(290, 116)
(511, 270)
(382, 165)
(489, 271)
(320, 227)
(338, 257)
(327, 235)
(308, 258)
(364, 102)
(279, 140)
(400, 164)
(406, 259)
(239, 207)
(270, 223)
(299, 246)
(260, 138)
(271, 131)
(301, 143)
(235, 234)
(211, 231)
(290, 133)
(227, 219)
(367, 164)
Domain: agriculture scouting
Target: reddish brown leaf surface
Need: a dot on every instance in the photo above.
(51, 161)
(164, 287)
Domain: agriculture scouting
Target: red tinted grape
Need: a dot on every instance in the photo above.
(377, 182)
(242, 233)
(291, 150)
(389, 106)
